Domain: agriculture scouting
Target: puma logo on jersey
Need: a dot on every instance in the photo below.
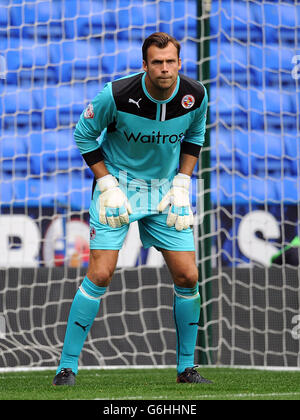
(137, 103)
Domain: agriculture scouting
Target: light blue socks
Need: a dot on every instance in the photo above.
(85, 307)
(83, 311)
(186, 311)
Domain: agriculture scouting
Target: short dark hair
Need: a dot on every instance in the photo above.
(160, 40)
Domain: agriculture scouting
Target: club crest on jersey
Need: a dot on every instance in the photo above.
(92, 233)
(89, 112)
(188, 101)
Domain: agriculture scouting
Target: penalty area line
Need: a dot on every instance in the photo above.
(249, 395)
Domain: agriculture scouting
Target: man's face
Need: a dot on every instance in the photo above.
(162, 67)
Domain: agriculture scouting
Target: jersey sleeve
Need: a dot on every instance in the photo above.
(196, 132)
(100, 112)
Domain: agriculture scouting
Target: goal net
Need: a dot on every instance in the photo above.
(55, 56)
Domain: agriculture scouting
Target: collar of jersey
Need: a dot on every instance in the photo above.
(155, 100)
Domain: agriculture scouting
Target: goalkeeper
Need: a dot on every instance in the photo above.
(141, 136)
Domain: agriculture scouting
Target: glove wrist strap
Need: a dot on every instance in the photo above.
(181, 175)
(182, 180)
(107, 182)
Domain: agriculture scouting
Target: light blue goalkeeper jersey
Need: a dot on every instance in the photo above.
(139, 135)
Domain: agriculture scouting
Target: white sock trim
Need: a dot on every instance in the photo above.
(87, 295)
(187, 297)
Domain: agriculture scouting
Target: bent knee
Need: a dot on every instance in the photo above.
(102, 266)
(187, 279)
(101, 277)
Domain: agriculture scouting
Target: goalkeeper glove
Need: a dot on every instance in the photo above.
(180, 212)
(114, 207)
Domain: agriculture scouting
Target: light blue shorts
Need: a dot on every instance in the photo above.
(152, 228)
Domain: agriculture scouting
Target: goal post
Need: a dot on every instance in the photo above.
(204, 258)
(254, 150)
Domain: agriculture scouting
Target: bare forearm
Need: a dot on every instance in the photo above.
(187, 164)
(99, 169)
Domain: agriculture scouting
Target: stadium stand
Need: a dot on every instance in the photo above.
(47, 45)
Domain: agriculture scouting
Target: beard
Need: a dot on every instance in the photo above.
(163, 83)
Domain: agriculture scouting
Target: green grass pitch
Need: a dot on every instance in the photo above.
(153, 384)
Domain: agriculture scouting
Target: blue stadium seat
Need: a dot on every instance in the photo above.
(272, 64)
(177, 17)
(74, 60)
(268, 107)
(13, 151)
(135, 59)
(66, 51)
(62, 105)
(69, 115)
(226, 106)
(235, 19)
(229, 62)
(73, 8)
(85, 69)
(52, 151)
(38, 192)
(143, 14)
(109, 44)
(29, 13)
(118, 60)
(97, 17)
(279, 21)
(288, 190)
(17, 100)
(216, 194)
(42, 76)
(38, 159)
(30, 55)
(222, 153)
(292, 154)
(27, 192)
(78, 189)
(3, 40)
(93, 87)
(243, 190)
(254, 153)
(48, 10)
(179, 27)
(46, 100)
(261, 154)
(189, 58)
(289, 25)
(64, 152)
(13, 59)
(84, 18)
(6, 192)
(20, 103)
(44, 32)
(3, 17)
(33, 77)
(280, 110)
(15, 15)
